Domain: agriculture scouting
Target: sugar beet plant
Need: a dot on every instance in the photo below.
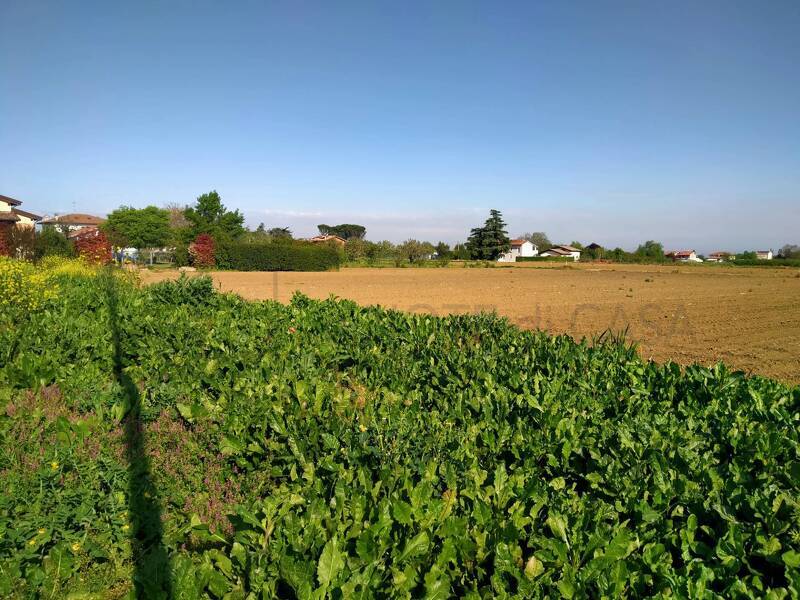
(174, 442)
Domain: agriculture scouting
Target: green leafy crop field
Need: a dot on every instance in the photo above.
(171, 441)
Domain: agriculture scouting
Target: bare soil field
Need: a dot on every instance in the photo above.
(748, 318)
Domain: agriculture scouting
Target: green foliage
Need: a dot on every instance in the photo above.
(138, 227)
(346, 231)
(491, 240)
(190, 291)
(443, 251)
(321, 449)
(278, 256)
(539, 239)
(51, 242)
(790, 251)
(210, 216)
(413, 251)
(651, 250)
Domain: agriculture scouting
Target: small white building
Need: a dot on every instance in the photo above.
(563, 252)
(519, 248)
(683, 256)
(764, 254)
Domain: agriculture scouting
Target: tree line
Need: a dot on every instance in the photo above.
(180, 228)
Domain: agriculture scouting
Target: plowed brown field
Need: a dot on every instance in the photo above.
(748, 318)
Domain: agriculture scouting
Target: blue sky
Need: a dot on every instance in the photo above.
(613, 122)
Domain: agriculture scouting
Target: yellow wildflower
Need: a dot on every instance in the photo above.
(76, 546)
(54, 465)
(32, 542)
(126, 527)
(362, 428)
(41, 531)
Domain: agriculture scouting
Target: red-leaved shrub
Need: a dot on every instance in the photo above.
(5, 249)
(201, 251)
(95, 249)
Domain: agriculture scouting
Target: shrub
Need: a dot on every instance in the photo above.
(23, 288)
(192, 291)
(95, 249)
(201, 251)
(51, 242)
(279, 256)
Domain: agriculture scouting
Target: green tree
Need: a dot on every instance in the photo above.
(283, 233)
(538, 239)
(491, 240)
(346, 231)
(650, 249)
(52, 242)
(460, 252)
(209, 215)
(790, 251)
(442, 251)
(138, 227)
(414, 250)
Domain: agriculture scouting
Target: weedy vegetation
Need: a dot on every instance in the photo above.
(171, 441)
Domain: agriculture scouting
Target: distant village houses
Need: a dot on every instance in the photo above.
(73, 222)
(764, 254)
(564, 252)
(11, 217)
(683, 256)
(321, 239)
(720, 257)
(519, 248)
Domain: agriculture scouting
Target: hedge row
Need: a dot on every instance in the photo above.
(290, 256)
(754, 262)
(545, 259)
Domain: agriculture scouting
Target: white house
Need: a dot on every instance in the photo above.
(683, 256)
(11, 213)
(563, 252)
(764, 254)
(519, 248)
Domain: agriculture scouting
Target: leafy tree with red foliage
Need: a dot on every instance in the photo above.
(5, 250)
(202, 251)
(95, 249)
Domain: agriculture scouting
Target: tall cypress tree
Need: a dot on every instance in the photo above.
(491, 240)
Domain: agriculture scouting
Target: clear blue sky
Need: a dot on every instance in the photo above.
(615, 122)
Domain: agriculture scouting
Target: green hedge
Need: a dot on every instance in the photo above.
(278, 256)
(545, 259)
(754, 262)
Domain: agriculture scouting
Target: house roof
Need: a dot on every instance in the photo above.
(763, 251)
(74, 219)
(25, 213)
(10, 201)
(328, 238)
(680, 253)
(519, 242)
(720, 253)
(563, 249)
(559, 250)
(83, 232)
(8, 217)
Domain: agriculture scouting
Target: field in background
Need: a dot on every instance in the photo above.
(748, 318)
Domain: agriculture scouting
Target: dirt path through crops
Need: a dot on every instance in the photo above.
(746, 317)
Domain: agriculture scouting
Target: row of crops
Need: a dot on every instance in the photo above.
(175, 442)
